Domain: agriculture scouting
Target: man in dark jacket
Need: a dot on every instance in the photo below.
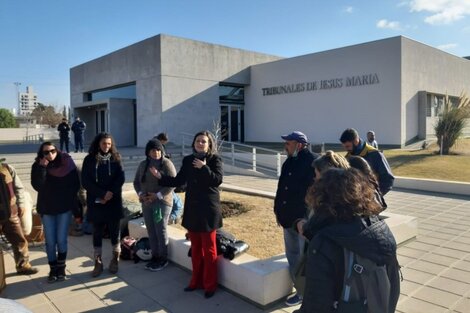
(377, 161)
(64, 130)
(289, 205)
(78, 128)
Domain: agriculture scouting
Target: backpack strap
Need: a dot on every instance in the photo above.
(352, 276)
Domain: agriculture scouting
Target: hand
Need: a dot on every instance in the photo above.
(43, 162)
(198, 163)
(151, 197)
(155, 172)
(108, 196)
(300, 227)
(143, 197)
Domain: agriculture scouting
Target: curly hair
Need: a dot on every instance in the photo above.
(95, 146)
(212, 143)
(343, 194)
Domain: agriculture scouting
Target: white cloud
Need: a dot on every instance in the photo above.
(442, 11)
(349, 9)
(448, 46)
(388, 24)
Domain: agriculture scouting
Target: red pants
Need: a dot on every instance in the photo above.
(204, 260)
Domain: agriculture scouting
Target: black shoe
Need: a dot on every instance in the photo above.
(52, 278)
(189, 289)
(209, 294)
(61, 273)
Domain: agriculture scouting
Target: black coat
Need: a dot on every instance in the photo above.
(109, 179)
(56, 195)
(296, 175)
(325, 258)
(202, 211)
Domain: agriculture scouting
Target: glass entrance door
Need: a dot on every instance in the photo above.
(232, 122)
(101, 121)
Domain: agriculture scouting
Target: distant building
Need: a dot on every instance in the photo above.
(28, 101)
(395, 86)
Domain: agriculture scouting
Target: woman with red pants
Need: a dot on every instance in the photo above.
(202, 173)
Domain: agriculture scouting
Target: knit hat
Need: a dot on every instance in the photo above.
(153, 144)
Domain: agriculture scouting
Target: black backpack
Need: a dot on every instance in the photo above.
(368, 287)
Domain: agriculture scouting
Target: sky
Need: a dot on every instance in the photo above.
(40, 40)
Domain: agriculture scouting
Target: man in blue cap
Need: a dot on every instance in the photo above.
(297, 175)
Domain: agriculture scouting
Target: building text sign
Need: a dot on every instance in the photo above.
(351, 81)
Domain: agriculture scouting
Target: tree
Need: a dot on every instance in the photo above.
(7, 120)
(451, 122)
(46, 115)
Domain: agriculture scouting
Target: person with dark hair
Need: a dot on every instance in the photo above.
(157, 202)
(78, 128)
(371, 139)
(102, 178)
(12, 207)
(364, 168)
(54, 176)
(163, 138)
(64, 130)
(347, 201)
(354, 145)
(202, 171)
(289, 205)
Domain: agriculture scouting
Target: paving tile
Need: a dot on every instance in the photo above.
(80, 301)
(462, 265)
(463, 306)
(439, 259)
(451, 231)
(413, 305)
(416, 276)
(431, 268)
(404, 260)
(408, 287)
(420, 246)
(132, 302)
(458, 246)
(456, 274)
(44, 308)
(437, 234)
(411, 253)
(462, 239)
(431, 240)
(450, 285)
(437, 297)
(450, 252)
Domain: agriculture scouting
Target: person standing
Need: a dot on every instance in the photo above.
(371, 139)
(157, 202)
(12, 206)
(354, 145)
(297, 175)
(54, 176)
(78, 128)
(202, 171)
(64, 130)
(163, 138)
(102, 178)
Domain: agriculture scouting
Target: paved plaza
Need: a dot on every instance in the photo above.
(436, 268)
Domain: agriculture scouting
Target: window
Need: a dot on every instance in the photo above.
(123, 92)
(231, 94)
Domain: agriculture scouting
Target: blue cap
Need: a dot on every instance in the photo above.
(297, 136)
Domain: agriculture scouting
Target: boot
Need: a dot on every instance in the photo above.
(113, 265)
(53, 272)
(98, 269)
(61, 266)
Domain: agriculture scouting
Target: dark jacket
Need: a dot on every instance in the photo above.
(108, 176)
(378, 163)
(78, 127)
(63, 129)
(56, 195)
(296, 175)
(202, 211)
(325, 260)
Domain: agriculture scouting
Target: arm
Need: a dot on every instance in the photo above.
(38, 176)
(138, 175)
(18, 187)
(169, 171)
(118, 179)
(384, 173)
(88, 179)
(180, 178)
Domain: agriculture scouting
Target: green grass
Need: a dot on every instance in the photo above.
(428, 164)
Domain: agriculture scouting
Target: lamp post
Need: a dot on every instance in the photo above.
(17, 84)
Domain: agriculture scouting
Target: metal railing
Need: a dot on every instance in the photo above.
(244, 157)
(37, 138)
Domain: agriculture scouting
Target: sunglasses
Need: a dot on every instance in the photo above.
(47, 152)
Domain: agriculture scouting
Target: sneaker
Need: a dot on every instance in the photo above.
(152, 263)
(296, 299)
(26, 269)
(75, 232)
(158, 266)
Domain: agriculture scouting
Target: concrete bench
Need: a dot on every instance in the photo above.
(259, 281)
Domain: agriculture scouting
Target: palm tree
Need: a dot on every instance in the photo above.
(451, 122)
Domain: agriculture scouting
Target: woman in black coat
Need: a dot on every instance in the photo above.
(202, 172)
(54, 176)
(102, 178)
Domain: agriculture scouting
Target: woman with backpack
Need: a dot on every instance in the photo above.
(102, 178)
(202, 172)
(347, 201)
(54, 176)
(157, 201)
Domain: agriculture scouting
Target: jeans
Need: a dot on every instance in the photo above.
(114, 234)
(177, 209)
(56, 229)
(157, 232)
(79, 138)
(294, 245)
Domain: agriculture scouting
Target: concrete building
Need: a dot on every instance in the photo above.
(395, 86)
(28, 101)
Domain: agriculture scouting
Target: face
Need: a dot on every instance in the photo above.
(49, 152)
(349, 145)
(155, 154)
(105, 144)
(291, 146)
(370, 137)
(201, 144)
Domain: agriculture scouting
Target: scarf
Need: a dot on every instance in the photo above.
(61, 166)
(103, 159)
(200, 155)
